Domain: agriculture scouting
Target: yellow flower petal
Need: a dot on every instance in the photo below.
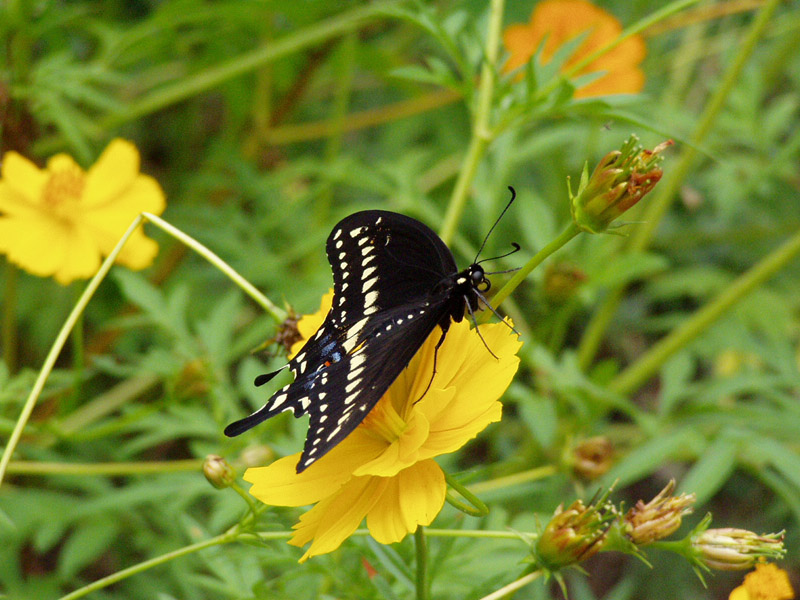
(334, 519)
(766, 582)
(34, 244)
(480, 384)
(280, 485)
(112, 174)
(47, 248)
(62, 162)
(404, 451)
(81, 258)
(22, 183)
(110, 220)
(414, 497)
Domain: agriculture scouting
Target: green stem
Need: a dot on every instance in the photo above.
(515, 479)
(421, 547)
(24, 467)
(512, 587)
(570, 232)
(661, 199)
(246, 497)
(277, 313)
(10, 318)
(478, 508)
(647, 365)
(355, 121)
(78, 360)
(481, 132)
(58, 345)
(487, 534)
(149, 564)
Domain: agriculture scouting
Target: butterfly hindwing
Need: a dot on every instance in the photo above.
(310, 379)
(364, 376)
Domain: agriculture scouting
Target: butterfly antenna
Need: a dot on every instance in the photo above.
(496, 314)
(516, 249)
(501, 272)
(513, 195)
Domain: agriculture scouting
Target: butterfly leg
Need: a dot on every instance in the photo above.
(496, 314)
(475, 322)
(435, 355)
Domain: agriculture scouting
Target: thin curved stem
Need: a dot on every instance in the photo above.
(277, 313)
(225, 538)
(478, 508)
(512, 587)
(86, 296)
(24, 467)
(58, 345)
(515, 479)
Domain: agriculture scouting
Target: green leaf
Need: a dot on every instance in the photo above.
(713, 468)
(86, 544)
(651, 456)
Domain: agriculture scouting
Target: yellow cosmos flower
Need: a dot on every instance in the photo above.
(384, 470)
(560, 21)
(58, 221)
(767, 582)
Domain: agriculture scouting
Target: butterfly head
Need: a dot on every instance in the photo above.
(478, 279)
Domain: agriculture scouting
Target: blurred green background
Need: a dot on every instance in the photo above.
(266, 122)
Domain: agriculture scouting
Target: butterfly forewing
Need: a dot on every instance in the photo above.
(381, 260)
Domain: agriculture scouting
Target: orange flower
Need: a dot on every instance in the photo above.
(560, 21)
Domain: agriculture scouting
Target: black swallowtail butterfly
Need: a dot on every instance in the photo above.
(394, 281)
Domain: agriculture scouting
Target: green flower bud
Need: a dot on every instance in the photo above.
(619, 181)
(218, 471)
